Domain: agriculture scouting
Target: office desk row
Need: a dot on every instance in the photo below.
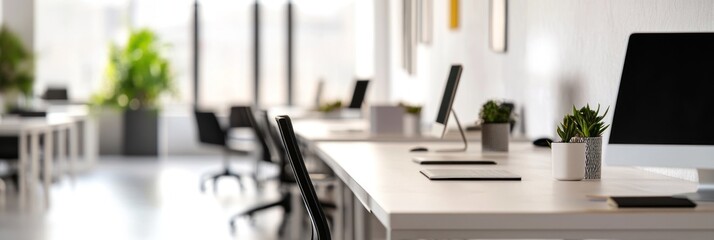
(29, 131)
(387, 184)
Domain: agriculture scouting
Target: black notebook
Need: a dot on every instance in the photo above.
(650, 202)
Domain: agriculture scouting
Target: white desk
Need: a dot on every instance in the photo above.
(319, 130)
(386, 181)
(31, 129)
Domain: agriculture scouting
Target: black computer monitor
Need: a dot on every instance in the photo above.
(359, 94)
(663, 113)
(447, 100)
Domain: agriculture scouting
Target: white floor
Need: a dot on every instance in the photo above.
(146, 198)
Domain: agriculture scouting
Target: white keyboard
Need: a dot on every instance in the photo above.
(470, 174)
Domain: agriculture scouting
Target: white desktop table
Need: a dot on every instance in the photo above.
(31, 129)
(386, 181)
(350, 130)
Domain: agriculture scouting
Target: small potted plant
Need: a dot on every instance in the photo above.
(495, 118)
(16, 70)
(330, 108)
(589, 129)
(568, 157)
(412, 119)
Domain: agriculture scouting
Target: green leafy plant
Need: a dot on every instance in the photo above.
(330, 106)
(16, 64)
(496, 112)
(411, 109)
(567, 128)
(137, 74)
(589, 123)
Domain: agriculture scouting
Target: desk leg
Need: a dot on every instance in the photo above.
(361, 221)
(22, 168)
(338, 224)
(394, 235)
(34, 164)
(347, 210)
(62, 150)
(73, 151)
(47, 168)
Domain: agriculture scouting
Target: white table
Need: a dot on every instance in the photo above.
(389, 185)
(320, 130)
(31, 129)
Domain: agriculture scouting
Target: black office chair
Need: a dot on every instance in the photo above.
(56, 94)
(210, 132)
(320, 228)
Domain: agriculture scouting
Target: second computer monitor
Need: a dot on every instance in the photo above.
(447, 100)
(359, 94)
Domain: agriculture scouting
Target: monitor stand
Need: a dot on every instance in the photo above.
(705, 193)
(463, 137)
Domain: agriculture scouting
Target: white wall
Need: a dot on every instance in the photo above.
(560, 53)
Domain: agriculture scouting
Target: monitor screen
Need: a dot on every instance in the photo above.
(359, 93)
(666, 91)
(449, 93)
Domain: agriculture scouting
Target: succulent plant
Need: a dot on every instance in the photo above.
(589, 123)
(411, 109)
(330, 106)
(567, 128)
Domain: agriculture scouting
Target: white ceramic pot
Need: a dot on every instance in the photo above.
(568, 161)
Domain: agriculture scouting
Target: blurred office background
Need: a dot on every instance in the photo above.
(558, 53)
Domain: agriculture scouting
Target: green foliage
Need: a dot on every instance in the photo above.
(588, 122)
(567, 128)
(137, 74)
(496, 112)
(411, 109)
(330, 106)
(16, 63)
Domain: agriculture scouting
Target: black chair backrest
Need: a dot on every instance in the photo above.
(240, 117)
(56, 94)
(246, 114)
(209, 130)
(321, 230)
(285, 172)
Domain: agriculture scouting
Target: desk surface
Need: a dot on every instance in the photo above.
(318, 130)
(13, 125)
(384, 178)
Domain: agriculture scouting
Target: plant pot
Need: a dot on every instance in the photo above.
(568, 161)
(593, 156)
(412, 125)
(141, 132)
(494, 137)
(111, 130)
(9, 100)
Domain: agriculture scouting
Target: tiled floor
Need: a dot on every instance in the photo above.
(146, 198)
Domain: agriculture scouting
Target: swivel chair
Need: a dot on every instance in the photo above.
(211, 133)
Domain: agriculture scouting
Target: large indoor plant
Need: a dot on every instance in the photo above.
(590, 127)
(137, 75)
(16, 70)
(568, 157)
(496, 117)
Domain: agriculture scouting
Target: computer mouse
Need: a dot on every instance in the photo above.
(419, 149)
(543, 142)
